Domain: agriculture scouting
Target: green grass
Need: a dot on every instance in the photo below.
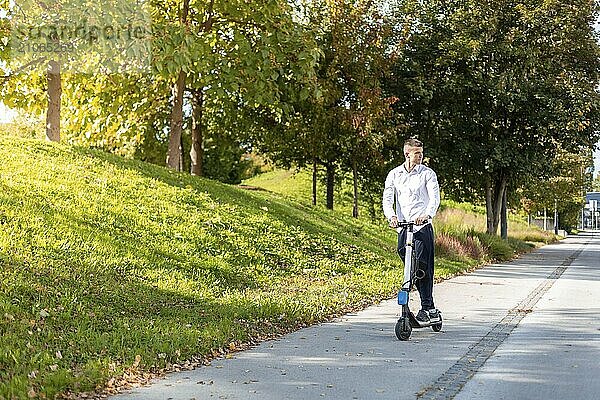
(103, 260)
(297, 185)
(111, 267)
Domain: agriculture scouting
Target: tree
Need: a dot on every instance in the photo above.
(234, 55)
(174, 154)
(570, 178)
(340, 129)
(495, 88)
(15, 49)
(596, 184)
(360, 35)
(49, 41)
(230, 51)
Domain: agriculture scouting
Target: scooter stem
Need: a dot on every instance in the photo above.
(408, 259)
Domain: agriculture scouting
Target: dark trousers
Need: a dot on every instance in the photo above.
(423, 248)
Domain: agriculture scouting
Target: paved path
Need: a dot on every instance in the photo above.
(528, 329)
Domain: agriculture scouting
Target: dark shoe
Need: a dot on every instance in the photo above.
(423, 316)
(434, 314)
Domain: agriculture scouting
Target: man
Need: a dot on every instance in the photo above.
(413, 190)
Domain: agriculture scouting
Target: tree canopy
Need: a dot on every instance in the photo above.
(495, 88)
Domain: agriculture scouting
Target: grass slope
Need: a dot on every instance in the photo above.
(108, 265)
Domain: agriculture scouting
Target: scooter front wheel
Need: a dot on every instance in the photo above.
(403, 329)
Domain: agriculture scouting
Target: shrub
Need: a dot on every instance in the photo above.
(459, 247)
(496, 247)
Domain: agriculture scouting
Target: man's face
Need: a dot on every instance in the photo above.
(414, 154)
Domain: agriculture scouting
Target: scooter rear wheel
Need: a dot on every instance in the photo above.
(438, 326)
(403, 329)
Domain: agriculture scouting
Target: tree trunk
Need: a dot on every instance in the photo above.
(174, 151)
(197, 147)
(493, 202)
(372, 211)
(54, 96)
(504, 217)
(489, 207)
(355, 191)
(181, 158)
(498, 193)
(314, 182)
(330, 168)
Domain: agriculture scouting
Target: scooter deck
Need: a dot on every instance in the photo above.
(413, 321)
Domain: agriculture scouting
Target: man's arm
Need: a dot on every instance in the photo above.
(389, 197)
(433, 191)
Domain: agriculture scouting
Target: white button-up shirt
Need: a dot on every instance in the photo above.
(409, 195)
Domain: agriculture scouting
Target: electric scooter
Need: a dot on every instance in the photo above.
(408, 321)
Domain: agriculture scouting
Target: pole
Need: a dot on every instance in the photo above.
(555, 216)
(545, 220)
(584, 197)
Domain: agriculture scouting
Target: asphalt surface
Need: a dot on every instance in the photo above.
(528, 329)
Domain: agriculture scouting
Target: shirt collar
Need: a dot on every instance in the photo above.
(416, 169)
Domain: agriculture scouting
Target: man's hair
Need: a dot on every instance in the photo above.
(412, 142)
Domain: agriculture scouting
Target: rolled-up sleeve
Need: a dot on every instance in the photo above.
(389, 196)
(433, 192)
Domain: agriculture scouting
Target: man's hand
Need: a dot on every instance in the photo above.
(394, 222)
(422, 219)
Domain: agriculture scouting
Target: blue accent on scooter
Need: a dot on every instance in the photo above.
(403, 297)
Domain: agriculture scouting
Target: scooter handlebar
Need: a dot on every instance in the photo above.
(406, 224)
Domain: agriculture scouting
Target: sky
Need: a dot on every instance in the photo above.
(6, 114)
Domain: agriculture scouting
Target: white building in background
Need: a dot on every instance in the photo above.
(591, 211)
